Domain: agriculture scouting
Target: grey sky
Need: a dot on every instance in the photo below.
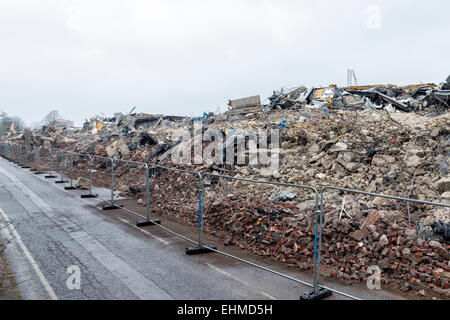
(184, 57)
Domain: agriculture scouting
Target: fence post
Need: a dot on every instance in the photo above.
(71, 187)
(38, 161)
(316, 238)
(25, 159)
(318, 292)
(17, 155)
(34, 149)
(50, 164)
(62, 168)
(112, 182)
(21, 156)
(112, 206)
(147, 222)
(147, 192)
(200, 248)
(90, 195)
(36, 156)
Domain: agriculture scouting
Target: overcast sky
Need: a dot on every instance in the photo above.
(184, 57)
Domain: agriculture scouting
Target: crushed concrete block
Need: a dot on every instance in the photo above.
(82, 183)
(443, 185)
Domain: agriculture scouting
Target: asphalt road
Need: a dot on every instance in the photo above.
(51, 232)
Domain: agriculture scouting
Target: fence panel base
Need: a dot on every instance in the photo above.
(146, 223)
(199, 250)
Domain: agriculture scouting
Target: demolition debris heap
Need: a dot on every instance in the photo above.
(381, 138)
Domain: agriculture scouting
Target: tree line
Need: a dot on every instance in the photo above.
(19, 125)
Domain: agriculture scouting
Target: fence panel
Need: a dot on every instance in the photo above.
(4, 150)
(27, 156)
(369, 250)
(177, 194)
(129, 181)
(82, 167)
(273, 219)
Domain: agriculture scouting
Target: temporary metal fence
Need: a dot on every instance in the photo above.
(360, 290)
(36, 160)
(198, 187)
(78, 173)
(69, 159)
(18, 154)
(54, 161)
(113, 165)
(60, 165)
(8, 151)
(317, 290)
(25, 157)
(4, 151)
(48, 163)
(15, 153)
(153, 171)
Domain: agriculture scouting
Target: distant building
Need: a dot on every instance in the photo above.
(64, 123)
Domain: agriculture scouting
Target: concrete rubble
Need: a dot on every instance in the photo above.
(382, 139)
(405, 98)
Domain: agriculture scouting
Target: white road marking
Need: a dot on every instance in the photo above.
(237, 279)
(268, 295)
(6, 185)
(30, 258)
(140, 285)
(29, 288)
(145, 231)
(87, 241)
(123, 220)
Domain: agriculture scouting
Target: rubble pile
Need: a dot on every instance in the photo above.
(349, 246)
(382, 139)
(367, 151)
(404, 98)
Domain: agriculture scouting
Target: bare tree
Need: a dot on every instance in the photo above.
(6, 121)
(19, 124)
(51, 118)
(36, 125)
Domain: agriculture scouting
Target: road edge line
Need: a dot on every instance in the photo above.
(30, 258)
